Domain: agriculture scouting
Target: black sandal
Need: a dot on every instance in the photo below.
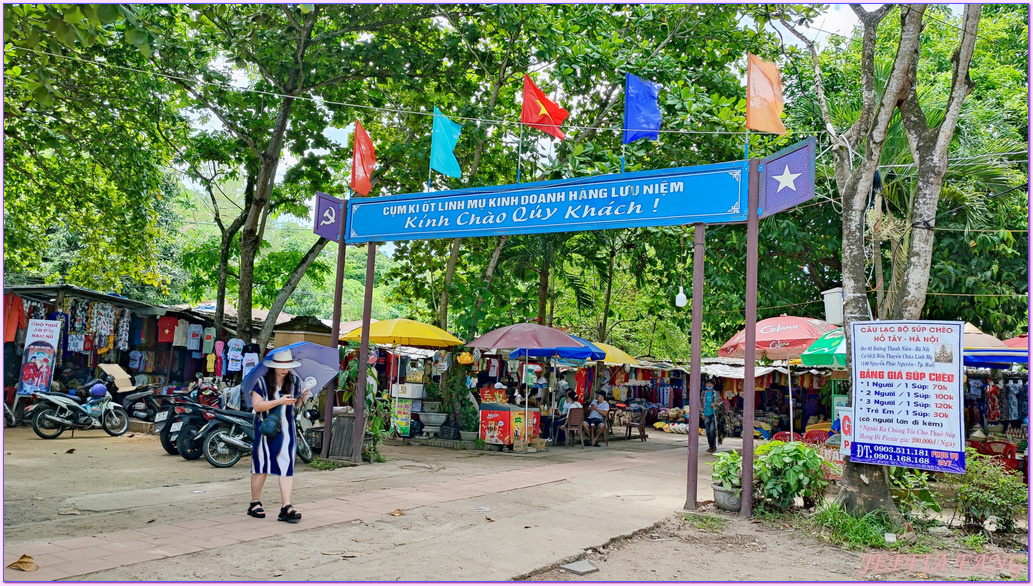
(256, 510)
(288, 514)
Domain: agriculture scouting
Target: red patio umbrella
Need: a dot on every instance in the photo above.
(526, 335)
(1018, 341)
(779, 338)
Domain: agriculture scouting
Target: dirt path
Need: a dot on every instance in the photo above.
(724, 547)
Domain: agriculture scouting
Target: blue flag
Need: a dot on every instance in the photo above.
(641, 109)
(443, 139)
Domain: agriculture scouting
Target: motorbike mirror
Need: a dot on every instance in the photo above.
(310, 383)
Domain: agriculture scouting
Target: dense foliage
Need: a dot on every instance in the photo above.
(151, 148)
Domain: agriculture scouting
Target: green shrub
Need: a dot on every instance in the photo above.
(842, 528)
(783, 471)
(912, 495)
(728, 471)
(987, 489)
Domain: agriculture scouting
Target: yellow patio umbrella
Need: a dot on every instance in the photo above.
(405, 332)
(616, 355)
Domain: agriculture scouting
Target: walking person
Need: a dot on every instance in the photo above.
(272, 397)
(710, 414)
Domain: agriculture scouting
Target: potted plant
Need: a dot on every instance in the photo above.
(431, 398)
(469, 421)
(727, 481)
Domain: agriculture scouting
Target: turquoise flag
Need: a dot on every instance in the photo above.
(443, 139)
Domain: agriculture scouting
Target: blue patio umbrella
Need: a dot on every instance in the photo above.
(317, 361)
(588, 351)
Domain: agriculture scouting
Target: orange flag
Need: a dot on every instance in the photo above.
(362, 161)
(763, 96)
(541, 113)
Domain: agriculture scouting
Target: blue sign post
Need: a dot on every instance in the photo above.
(712, 194)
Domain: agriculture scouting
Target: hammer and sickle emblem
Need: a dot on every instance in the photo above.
(329, 216)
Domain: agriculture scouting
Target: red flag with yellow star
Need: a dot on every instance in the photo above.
(541, 113)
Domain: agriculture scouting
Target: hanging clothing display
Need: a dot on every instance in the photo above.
(166, 329)
(208, 340)
(250, 361)
(179, 337)
(219, 362)
(14, 316)
(194, 333)
(125, 319)
(135, 358)
(210, 363)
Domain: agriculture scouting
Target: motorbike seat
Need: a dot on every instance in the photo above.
(75, 398)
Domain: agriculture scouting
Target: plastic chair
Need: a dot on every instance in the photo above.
(1000, 449)
(783, 436)
(573, 424)
(637, 421)
(816, 436)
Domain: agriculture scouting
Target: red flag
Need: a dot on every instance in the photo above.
(763, 96)
(541, 113)
(362, 161)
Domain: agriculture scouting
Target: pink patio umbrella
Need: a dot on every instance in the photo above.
(1018, 341)
(526, 335)
(779, 338)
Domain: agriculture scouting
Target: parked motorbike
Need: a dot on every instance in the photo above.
(56, 411)
(145, 402)
(192, 434)
(179, 411)
(224, 445)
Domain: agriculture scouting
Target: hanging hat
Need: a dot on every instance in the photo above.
(500, 386)
(282, 359)
(465, 358)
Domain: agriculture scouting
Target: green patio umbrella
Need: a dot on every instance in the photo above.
(828, 350)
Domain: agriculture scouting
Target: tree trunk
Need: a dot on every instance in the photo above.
(450, 270)
(543, 290)
(288, 289)
(604, 328)
(489, 271)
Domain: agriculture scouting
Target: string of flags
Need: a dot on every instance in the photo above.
(642, 119)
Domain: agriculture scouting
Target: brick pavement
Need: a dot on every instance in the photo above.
(103, 551)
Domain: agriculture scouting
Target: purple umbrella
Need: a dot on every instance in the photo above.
(526, 335)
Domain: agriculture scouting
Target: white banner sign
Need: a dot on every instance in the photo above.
(908, 408)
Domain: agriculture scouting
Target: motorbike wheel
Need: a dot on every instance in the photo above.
(45, 428)
(9, 420)
(304, 450)
(166, 441)
(189, 448)
(115, 422)
(219, 453)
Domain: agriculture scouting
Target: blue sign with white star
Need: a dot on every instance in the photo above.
(787, 178)
(709, 194)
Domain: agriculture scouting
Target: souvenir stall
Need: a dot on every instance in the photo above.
(410, 356)
(94, 328)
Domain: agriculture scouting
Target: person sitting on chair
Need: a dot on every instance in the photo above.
(570, 403)
(596, 417)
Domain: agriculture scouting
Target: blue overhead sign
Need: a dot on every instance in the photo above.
(711, 194)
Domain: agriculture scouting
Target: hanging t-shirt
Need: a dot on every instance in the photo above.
(135, 358)
(493, 367)
(63, 318)
(194, 333)
(235, 361)
(210, 363)
(14, 316)
(166, 329)
(179, 337)
(235, 345)
(220, 363)
(208, 341)
(250, 361)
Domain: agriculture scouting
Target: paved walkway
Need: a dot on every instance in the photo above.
(104, 551)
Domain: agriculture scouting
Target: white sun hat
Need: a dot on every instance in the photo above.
(282, 359)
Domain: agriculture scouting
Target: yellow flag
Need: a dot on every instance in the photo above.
(763, 96)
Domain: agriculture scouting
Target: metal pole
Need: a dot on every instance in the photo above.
(520, 150)
(749, 381)
(335, 335)
(792, 418)
(695, 374)
(360, 388)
